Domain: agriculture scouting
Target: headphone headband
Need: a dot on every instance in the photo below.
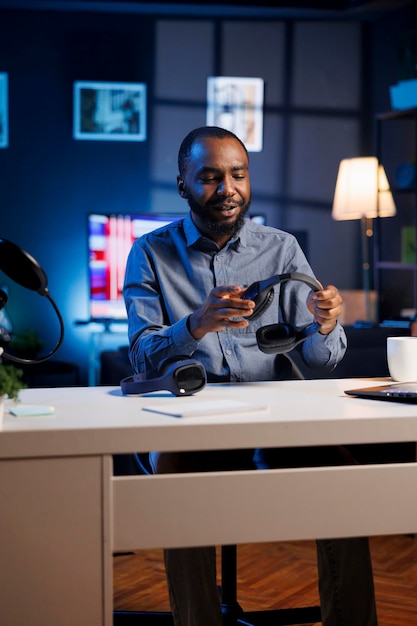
(278, 338)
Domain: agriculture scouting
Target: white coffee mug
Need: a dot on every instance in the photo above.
(402, 358)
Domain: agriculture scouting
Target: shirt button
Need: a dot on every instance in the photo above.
(228, 351)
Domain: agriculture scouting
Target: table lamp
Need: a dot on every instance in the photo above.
(23, 269)
(362, 192)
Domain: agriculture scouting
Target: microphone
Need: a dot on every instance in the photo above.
(3, 299)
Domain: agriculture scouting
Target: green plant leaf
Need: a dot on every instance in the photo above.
(11, 381)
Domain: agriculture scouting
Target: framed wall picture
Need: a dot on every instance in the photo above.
(4, 111)
(110, 111)
(236, 104)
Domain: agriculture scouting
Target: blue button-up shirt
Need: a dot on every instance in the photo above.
(170, 273)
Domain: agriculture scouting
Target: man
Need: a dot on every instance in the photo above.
(182, 291)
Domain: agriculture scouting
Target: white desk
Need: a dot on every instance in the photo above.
(62, 514)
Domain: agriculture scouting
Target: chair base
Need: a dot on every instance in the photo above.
(277, 617)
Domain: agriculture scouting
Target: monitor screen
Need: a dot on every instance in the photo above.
(110, 238)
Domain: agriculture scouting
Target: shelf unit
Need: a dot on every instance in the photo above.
(395, 277)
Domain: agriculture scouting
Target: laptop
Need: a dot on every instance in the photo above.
(395, 392)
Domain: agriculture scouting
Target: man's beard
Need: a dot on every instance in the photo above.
(219, 227)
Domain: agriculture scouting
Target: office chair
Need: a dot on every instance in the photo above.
(233, 614)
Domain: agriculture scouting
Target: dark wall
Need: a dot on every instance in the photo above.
(49, 182)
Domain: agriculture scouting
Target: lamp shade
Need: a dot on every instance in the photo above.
(362, 190)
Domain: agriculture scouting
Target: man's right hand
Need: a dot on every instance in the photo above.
(222, 309)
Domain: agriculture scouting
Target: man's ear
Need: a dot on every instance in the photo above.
(181, 187)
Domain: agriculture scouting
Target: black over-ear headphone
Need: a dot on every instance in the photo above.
(180, 375)
(278, 338)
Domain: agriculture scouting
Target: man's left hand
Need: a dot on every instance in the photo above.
(326, 306)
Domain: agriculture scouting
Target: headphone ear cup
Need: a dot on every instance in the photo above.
(276, 338)
(262, 305)
(282, 338)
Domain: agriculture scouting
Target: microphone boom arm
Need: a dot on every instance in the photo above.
(16, 359)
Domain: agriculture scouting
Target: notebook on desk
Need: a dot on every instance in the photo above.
(394, 392)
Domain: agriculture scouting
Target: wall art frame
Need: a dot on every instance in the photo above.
(236, 103)
(109, 111)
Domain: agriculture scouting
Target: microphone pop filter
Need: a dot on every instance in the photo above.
(21, 267)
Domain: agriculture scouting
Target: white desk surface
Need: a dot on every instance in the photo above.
(100, 420)
(56, 472)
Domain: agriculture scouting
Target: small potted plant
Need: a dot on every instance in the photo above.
(10, 384)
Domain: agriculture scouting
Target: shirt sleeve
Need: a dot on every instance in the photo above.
(325, 351)
(151, 340)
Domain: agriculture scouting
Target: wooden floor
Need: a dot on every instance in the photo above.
(139, 579)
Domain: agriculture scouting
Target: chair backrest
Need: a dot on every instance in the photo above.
(286, 369)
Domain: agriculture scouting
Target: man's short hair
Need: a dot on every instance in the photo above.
(199, 133)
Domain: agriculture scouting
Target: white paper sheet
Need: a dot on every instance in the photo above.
(191, 408)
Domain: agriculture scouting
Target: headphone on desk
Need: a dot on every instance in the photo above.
(180, 375)
(278, 338)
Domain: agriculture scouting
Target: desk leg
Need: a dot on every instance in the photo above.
(55, 551)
